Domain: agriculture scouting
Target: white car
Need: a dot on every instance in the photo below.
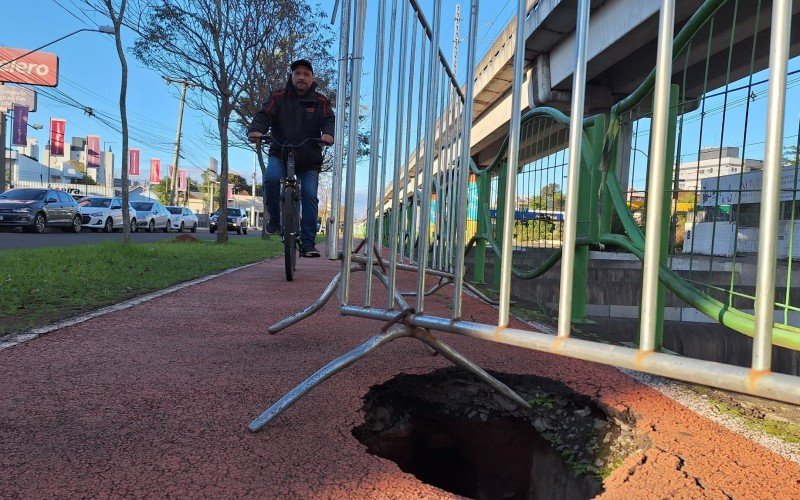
(104, 213)
(151, 215)
(181, 218)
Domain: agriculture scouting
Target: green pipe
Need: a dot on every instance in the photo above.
(782, 335)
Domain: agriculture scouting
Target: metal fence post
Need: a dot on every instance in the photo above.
(502, 175)
(483, 224)
(666, 209)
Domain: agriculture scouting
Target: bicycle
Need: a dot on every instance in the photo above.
(289, 202)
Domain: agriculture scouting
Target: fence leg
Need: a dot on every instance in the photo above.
(324, 374)
(483, 185)
(501, 203)
(588, 217)
(308, 311)
(666, 209)
(457, 359)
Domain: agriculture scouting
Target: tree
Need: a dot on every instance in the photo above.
(551, 197)
(239, 183)
(115, 12)
(216, 46)
(791, 156)
(162, 191)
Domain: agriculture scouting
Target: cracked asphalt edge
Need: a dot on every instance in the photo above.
(12, 339)
(677, 391)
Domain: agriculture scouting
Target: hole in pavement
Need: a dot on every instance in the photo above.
(454, 432)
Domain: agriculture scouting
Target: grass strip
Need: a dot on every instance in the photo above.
(42, 285)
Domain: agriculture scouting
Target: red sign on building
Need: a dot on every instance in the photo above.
(36, 68)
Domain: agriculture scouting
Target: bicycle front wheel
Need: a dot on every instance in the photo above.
(290, 254)
(290, 234)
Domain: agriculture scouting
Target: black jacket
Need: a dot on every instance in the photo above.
(293, 118)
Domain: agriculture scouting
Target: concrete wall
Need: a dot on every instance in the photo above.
(720, 237)
(614, 294)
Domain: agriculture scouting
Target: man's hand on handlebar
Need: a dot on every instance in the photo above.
(256, 136)
(326, 139)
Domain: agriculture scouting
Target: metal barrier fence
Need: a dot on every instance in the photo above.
(439, 206)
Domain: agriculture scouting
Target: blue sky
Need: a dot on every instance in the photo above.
(89, 77)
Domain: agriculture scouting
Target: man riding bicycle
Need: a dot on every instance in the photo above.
(292, 115)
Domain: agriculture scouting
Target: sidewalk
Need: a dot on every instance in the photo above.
(154, 400)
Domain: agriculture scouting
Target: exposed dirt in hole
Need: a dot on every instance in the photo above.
(453, 431)
(185, 238)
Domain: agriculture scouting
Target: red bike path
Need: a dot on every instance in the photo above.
(153, 401)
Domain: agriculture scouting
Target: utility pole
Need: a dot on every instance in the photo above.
(173, 194)
(456, 39)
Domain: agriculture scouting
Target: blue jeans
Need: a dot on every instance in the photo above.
(309, 180)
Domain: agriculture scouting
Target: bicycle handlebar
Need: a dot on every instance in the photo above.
(288, 144)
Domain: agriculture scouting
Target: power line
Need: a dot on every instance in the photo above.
(82, 21)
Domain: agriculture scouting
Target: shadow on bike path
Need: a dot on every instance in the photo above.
(154, 401)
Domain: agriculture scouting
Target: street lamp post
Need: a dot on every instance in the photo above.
(108, 30)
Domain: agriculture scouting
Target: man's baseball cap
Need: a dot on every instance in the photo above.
(302, 62)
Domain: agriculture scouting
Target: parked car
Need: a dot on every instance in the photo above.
(237, 221)
(181, 218)
(37, 209)
(151, 215)
(102, 212)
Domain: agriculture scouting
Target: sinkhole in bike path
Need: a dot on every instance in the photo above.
(452, 431)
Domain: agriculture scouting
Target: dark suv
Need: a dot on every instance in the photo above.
(36, 209)
(237, 221)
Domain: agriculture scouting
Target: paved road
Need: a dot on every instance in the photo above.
(10, 239)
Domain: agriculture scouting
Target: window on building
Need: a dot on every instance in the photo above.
(749, 214)
(786, 212)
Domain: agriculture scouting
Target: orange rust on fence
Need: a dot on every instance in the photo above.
(641, 356)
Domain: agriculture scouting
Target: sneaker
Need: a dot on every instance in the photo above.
(309, 252)
(272, 228)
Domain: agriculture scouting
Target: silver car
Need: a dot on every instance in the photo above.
(151, 215)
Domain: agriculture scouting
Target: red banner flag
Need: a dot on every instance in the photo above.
(230, 192)
(19, 136)
(133, 161)
(171, 169)
(183, 177)
(93, 151)
(58, 128)
(155, 170)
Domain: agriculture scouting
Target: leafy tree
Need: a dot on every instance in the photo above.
(162, 191)
(551, 197)
(217, 46)
(239, 183)
(791, 156)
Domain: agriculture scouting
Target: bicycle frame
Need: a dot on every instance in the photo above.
(290, 191)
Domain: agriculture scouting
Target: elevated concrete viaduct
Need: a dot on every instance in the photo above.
(621, 54)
